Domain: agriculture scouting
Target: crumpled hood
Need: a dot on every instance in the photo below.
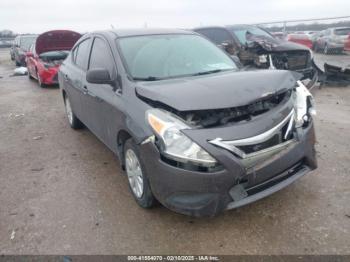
(289, 46)
(276, 45)
(57, 40)
(217, 91)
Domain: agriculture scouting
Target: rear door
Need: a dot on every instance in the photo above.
(73, 72)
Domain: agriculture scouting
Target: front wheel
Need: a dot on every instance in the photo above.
(74, 122)
(137, 178)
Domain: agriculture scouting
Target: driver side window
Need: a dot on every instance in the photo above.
(101, 56)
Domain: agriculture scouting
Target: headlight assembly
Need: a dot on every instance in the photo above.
(304, 105)
(174, 143)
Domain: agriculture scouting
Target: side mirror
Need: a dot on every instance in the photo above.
(29, 54)
(99, 76)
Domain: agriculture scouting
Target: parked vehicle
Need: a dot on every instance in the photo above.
(314, 37)
(190, 128)
(20, 46)
(257, 48)
(279, 35)
(47, 53)
(301, 39)
(5, 43)
(347, 44)
(332, 40)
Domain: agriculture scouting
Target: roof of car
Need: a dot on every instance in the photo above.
(146, 31)
(225, 26)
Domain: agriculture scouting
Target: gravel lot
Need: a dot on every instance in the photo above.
(63, 191)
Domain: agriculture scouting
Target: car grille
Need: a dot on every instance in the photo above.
(257, 149)
(291, 60)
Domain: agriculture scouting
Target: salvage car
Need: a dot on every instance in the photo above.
(257, 48)
(191, 130)
(332, 40)
(46, 55)
(20, 47)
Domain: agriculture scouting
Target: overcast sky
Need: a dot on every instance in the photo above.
(37, 16)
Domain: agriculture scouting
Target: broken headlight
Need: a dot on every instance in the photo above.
(304, 105)
(174, 143)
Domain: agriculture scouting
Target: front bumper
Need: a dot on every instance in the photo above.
(208, 193)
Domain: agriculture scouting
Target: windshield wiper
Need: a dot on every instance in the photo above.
(149, 78)
(208, 72)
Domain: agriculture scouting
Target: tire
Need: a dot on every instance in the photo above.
(136, 173)
(73, 121)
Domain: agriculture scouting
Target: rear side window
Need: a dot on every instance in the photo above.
(342, 31)
(81, 54)
(217, 35)
(101, 56)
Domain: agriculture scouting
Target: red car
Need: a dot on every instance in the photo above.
(300, 39)
(46, 55)
(347, 44)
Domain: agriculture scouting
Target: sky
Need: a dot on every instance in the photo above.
(38, 16)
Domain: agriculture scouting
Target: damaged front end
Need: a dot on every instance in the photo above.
(264, 54)
(334, 75)
(249, 151)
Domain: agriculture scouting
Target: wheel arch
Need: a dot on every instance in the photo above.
(122, 136)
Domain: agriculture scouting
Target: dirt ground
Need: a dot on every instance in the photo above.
(63, 192)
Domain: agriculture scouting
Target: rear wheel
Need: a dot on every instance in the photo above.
(73, 121)
(137, 177)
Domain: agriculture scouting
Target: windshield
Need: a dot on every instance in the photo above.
(156, 57)
(343, 31)
(27, 41)
(244, 32)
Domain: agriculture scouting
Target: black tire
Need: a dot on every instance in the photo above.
(146, 200)
(73, 121)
